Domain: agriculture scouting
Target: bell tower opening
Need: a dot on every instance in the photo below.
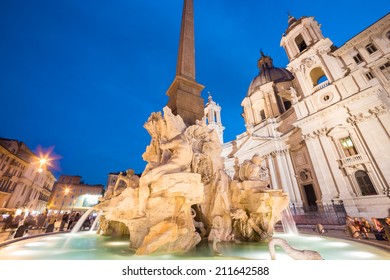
(301, 44)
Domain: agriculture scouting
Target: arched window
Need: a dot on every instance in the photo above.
(388, 35)
(318, 76)
(301, 44)
(364, 182)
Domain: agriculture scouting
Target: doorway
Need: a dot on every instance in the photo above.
(311, 197)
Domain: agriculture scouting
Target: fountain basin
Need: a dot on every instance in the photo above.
(90, 246)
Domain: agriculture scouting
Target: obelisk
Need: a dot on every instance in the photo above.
(185, 93)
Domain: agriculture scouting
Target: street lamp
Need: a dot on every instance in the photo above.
(66, 191)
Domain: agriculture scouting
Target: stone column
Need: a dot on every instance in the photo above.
(293, 178)
(382, 114)
(284, 174)
(274, 183)
(321, 168)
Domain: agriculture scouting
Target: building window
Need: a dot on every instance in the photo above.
(318, 76)
(385, 69)
(301, 44)
(358, 58)
(370, 76)
(388, 35)
(24, 189)
(364, 182)
(348, 147)
(262, 114)
(13, 187)
(371, 48)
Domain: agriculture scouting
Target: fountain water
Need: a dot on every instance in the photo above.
(88, 246)
(80, 222)
(289, 225)
(96, 222)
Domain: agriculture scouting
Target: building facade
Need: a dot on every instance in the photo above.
(71, 194)
(25, 183)
(322, 125)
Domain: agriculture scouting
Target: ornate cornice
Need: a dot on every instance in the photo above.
(368, 115)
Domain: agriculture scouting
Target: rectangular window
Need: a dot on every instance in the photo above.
(348, 147)
(262, 114)
(358, 58)
(385, 69)
(13, 187)
(371, 48)
(24, 189)
(370, 76)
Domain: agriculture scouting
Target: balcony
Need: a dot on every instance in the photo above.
(354, 160)
(321, 86)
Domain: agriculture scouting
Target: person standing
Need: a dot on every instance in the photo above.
(64, 220)
(51, 221)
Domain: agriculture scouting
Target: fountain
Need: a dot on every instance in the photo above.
(185, 175)
(185, 205)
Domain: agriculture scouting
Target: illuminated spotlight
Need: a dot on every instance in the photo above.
(314, 238)
(53, 238)
(117, 243)
(22, 253)
(338, 244)
(35, 244)
(361, 254)
(11, 247)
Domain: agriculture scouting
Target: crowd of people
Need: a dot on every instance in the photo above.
(41, 221)
(360, 228)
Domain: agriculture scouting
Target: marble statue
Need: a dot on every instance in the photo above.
(294, 97)
(292, 252)
(251, 170)
(184, 194)
(257, 207)
(247, 228)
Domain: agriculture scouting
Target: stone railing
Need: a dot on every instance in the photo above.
(321, 86)
(353, 160)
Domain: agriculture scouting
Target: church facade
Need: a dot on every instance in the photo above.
(322, 124)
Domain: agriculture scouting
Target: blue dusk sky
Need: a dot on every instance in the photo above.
(83, 76)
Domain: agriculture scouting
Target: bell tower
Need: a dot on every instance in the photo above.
(310, 55)
(212, 115)
(185, 93)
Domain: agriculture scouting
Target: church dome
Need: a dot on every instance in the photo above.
(268, 73)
